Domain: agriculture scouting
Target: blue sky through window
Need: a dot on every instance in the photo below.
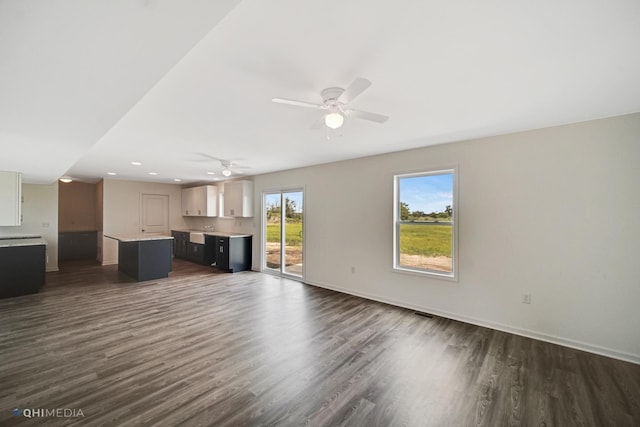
(427, 193)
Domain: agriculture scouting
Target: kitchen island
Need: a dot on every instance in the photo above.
(23, 263)
(144, 256)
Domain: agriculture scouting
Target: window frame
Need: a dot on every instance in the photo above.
(423, 272)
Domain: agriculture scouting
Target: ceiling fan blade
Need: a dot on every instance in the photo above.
(298, 103)
(358, 86)
(374, 117)
(208, 156)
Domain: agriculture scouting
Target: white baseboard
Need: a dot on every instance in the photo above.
(565, 342)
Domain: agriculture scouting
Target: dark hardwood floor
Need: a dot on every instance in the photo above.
(201, 348)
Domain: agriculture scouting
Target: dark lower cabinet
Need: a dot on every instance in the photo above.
(183, 248)
(231, 254)
(22, 270)
(180, 243)
(145, 259)
(77, 245)
(196, 252)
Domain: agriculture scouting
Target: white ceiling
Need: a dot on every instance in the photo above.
(88, 87)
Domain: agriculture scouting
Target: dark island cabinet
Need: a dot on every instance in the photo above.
(22, 269)
(145, 259)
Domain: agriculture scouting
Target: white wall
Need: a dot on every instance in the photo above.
(121, 211)
(40, 217)
(554, 212)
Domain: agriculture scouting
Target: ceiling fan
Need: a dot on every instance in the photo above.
(335, 104)
(226, 165)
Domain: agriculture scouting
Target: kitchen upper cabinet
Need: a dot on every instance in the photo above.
(238, 198)
(200, 201)
(10, 198)
(188, 201)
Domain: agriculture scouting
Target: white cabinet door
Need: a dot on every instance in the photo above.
(238, 199)
(187, 202)
(211, 201)
(200, 201)
(10, 198)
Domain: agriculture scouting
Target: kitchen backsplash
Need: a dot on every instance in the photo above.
(231, 225)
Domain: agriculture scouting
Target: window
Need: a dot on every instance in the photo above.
(425, 228)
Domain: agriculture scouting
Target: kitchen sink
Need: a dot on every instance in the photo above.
(196, 237)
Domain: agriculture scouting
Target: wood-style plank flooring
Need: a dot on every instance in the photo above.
(201, 348)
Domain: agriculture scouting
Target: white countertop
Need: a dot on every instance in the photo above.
(225, 234)
(10, 243)
(216, 233)
(137, 237)
(21, 236)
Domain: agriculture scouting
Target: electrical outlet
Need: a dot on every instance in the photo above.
(526, 298)
(353, 270)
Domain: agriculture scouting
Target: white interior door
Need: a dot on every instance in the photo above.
(155, 213)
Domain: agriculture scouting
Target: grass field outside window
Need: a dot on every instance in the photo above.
(424, 222)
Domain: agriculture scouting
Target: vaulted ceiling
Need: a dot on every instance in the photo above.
(88, 87)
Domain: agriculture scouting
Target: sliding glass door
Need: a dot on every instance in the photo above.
(283, 235)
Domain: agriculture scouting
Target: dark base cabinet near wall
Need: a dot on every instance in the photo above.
(229, 252)
(77, 245)
(185, 249)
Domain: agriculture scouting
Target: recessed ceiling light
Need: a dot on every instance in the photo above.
(111, 173)
(136, 163)
(66, 180)
(177, 179)
(211, 173)
(153, 173)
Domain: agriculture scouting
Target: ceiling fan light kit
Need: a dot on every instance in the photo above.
(336, 101)
(228, 167)
(334, 120)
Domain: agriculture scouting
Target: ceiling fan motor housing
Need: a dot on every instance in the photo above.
(331, 94)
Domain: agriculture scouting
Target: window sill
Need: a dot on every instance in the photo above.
(432, 274)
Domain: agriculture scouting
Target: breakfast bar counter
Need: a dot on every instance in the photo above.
(144, 256)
